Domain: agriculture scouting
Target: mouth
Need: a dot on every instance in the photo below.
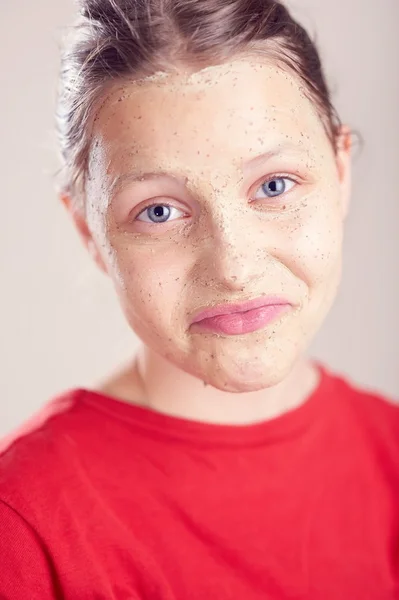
(238, 308)
(238, 319)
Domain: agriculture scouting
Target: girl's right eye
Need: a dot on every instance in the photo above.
(158, 213)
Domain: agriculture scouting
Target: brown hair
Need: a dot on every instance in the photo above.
(118, 39)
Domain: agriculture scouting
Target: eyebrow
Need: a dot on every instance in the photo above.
(276, 151)
(120, 181)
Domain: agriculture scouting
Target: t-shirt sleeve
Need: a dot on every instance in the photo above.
(25, 570)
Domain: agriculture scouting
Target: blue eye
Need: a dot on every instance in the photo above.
(157, 213)
(276, 186)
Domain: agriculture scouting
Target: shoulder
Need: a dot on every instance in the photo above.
(366, 399)
(367, 410)
(40, 453)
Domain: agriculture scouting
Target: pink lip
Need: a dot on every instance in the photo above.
(228, 309)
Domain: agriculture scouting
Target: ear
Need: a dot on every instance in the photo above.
(83, 230)
(343, 161)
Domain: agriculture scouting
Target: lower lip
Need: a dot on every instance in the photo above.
(243, 322)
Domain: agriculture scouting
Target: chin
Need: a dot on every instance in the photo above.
(239, 387)
(248, 378)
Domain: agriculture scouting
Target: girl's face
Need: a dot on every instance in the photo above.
(218, 187)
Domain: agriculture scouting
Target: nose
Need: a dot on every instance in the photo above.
(234, 256)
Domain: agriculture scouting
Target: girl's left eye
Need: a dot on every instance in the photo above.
(158, 213)
(276, 187)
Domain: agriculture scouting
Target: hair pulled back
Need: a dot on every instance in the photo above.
(114, 40)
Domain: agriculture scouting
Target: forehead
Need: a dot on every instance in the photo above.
(223, 109)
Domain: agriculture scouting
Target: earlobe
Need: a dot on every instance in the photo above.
(343, 158)
(78, 218)
(83, 230)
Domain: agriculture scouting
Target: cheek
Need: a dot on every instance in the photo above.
(316, 240)
(151, 286)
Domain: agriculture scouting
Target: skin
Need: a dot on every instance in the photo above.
(225, 240)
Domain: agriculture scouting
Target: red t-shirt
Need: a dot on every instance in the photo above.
(103, 500)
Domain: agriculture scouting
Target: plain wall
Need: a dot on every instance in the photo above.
(60, 322)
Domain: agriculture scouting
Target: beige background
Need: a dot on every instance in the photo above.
(60, 323)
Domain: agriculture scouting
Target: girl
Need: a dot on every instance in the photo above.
(209, 176)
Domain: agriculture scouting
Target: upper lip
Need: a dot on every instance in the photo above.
(227, 309)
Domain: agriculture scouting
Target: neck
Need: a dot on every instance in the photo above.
(152, 381)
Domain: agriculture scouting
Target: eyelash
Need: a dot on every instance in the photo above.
(262, 183)
(276, 176)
